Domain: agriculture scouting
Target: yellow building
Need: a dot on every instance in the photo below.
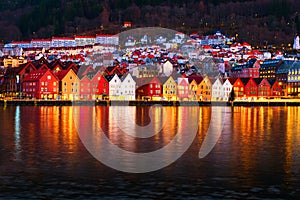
(69, 85)
(13, 61)
(193, 87)
(204, 89)
(170, 89)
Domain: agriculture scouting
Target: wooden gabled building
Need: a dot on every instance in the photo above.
(41, 84)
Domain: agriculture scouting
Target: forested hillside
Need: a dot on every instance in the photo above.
(258, 22)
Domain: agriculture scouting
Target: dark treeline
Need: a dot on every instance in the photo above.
(260, 22)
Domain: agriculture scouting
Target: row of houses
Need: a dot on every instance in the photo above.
(66, 85)
(285, 74)
(58, 80)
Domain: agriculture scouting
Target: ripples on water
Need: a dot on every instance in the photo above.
(256, 157)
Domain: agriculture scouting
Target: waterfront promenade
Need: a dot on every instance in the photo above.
(39, 102)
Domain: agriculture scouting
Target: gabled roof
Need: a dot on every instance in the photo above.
(61, 74)
(257, 80)
(198, 79)
(73, 66)
(145, 81)
(42, 67)
(56, 63)
(245, 80)
(124, 76)
(37, 75)
(163, 79)
(113, 70)
(23, 67)
(271, 63)
(272, 81)
(231, 80)
(86, 70)
(295, 65)
(183, 81)
(285, 67)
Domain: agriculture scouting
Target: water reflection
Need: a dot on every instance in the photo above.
(257, 154)
(145, 154)
(18, 148)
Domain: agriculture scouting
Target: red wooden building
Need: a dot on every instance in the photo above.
(148, 88)
(85, 88)
(99, 86)
(251, 87)
(238, 88)
(41, 84)
(264, 88)
(276, 88)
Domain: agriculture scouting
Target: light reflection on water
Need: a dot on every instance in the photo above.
(257, 155)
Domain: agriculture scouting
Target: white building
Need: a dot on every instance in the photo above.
(114, 88)
(127, 88)
(167, 68)
(63, 42)
(227, 88)
(82, 40)
(217, 90)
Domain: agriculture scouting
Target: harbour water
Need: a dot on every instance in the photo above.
(257, 155)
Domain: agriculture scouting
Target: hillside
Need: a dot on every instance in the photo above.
(259, 22)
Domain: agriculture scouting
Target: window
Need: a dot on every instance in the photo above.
(49, 77)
